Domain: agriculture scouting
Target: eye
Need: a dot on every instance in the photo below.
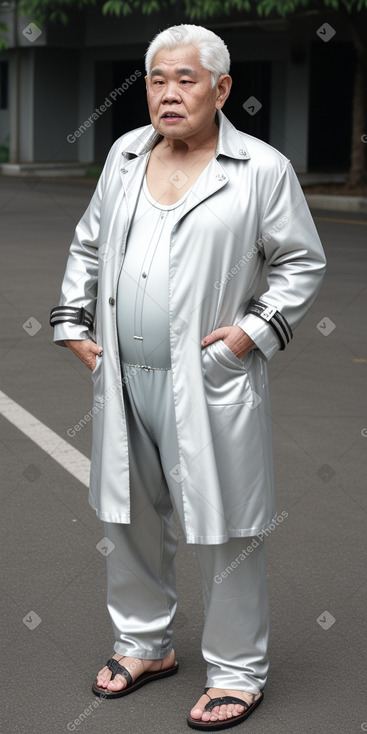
(186, 81)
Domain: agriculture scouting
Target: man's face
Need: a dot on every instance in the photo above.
(181, 100)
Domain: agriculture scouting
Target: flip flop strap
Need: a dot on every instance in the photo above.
(116, 668)
(224, 700)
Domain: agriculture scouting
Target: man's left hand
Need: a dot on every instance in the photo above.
(234, 337)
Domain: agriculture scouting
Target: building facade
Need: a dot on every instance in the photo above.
(67, 92)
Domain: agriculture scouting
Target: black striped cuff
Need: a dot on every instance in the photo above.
(274, 318)
(79, 316)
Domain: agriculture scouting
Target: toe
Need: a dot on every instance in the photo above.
(229, 710)
(218, 713)
(224, 711)
(117, 684)
(198, 711)
(238, 710)
(103, 677)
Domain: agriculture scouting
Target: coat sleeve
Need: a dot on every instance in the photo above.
(80, 283)
(295, 265)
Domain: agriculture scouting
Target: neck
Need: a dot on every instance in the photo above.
(203, 141)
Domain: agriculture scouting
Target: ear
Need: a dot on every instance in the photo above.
(224, 85)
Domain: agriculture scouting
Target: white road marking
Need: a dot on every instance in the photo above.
(60, 450)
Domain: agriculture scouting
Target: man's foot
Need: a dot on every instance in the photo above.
(136, 668)
(225, 711)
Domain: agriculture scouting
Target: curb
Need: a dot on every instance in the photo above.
(42, 170)
(337, 203)
(76, 174)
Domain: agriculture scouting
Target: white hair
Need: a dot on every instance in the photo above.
(213, 52)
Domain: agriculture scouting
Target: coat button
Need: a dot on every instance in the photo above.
(111, 301)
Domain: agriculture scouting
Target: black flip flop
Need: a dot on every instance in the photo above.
(226, 723)
(131, 686)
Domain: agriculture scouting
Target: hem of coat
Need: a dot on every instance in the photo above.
(107, 517)
(195, 539)
(219, 539)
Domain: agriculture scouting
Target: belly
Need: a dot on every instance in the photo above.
(142, 308)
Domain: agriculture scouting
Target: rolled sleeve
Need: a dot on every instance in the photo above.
(295, 259)
(262, 334)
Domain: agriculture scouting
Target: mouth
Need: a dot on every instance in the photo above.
(171, 117)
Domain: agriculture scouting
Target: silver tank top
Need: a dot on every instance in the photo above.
(142, 292)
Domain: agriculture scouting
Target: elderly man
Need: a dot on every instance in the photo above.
(160, 301)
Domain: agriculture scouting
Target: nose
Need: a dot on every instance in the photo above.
(171, 93)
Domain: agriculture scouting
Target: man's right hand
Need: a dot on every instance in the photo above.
(85, 349)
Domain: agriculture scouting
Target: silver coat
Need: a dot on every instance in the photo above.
(244, 211)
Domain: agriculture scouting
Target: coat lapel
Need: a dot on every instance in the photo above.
(132, 173)
(212, 179)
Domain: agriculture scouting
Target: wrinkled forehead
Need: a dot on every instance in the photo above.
(179, 60)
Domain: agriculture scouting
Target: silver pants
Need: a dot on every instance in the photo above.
(141, 596)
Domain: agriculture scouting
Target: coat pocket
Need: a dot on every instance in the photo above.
(226, 377)
(98, 366)
(97, 379)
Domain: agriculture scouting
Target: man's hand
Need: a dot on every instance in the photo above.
(85, 349)
(234, 337)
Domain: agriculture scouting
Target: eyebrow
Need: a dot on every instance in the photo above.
(186, 70)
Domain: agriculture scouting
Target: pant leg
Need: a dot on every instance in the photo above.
(141, 588)
(235, 636)
(236, 629)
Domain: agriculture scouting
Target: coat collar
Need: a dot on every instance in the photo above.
(230, 141)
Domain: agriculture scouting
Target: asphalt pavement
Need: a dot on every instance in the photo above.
(56, 630)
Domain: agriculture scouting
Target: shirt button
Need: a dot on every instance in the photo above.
(143, 275)
(111, 301)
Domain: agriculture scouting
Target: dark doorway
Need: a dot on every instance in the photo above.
(130, 108)
(117, 81)
(250, 79)
(330, 108)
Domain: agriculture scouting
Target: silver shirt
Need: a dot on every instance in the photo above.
(143, 287)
